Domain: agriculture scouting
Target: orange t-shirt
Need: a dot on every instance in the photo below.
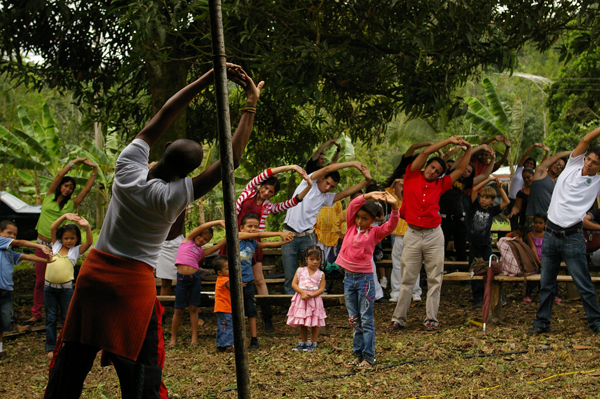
(222, 295)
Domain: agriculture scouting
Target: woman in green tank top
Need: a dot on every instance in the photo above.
(57, 202)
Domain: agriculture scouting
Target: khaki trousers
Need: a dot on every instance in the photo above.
(422, 248)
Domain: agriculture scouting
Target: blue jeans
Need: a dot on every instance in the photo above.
(571, 249)
(291, 253)
(188, 290)
(55, 299)
(359, 292)
(6, 303)
(224, 330)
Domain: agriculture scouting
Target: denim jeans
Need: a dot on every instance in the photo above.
(291, 253)
(6, 303)
(55, 299)
(571, 249)
(359, 293)
(224, 330)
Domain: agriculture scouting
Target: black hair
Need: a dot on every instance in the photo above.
(534, 161)
(219, 263)
(528, 170)
(594, 150)
(272, 181)
(249, 216)
(440, 161)
(335, 176)
(210, 230)
(72, 228)
(313, 250)
(181, 157)
(5, 223)
(372, 209)
(541, 215)
(372, 186)
(57, 192)
(356, 194)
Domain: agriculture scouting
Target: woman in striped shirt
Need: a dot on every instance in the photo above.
(255, 199)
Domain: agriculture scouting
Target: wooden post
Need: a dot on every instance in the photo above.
(229, 197)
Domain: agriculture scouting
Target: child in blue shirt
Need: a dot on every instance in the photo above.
(8, 260)
(248, 233)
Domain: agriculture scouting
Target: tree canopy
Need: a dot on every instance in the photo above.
(329, 66)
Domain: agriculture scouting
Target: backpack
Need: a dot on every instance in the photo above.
(517, 258)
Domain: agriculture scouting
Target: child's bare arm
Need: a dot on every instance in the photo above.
(263, 234)
(287, 237)
(89, 236)
(505, 200)
(532, 245)
(321, 289)
(55, 226)
(24, 243)
(194, 233)
(479, 187)
(34, 258)
(215, 247)
(227, 285)
(303, 294)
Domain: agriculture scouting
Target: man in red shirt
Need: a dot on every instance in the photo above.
(424, 239)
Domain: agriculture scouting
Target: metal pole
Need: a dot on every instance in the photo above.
(229, 197)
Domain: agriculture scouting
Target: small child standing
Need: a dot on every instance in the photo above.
(223, 305)
(307, 310)
(248, 245)
(58, 287)
(189, 282)
(535, 239)
(8, 260)
(356, 258)
(481, 217)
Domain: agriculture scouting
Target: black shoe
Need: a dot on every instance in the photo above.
(254, 343)
(269, 329)
(537, 330)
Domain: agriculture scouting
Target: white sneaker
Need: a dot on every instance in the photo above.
(416, 297)
(383, 282)
(394, 299)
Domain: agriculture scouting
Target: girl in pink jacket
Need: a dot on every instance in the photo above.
(355, 257)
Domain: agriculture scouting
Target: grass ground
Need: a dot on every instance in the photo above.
(563, 364)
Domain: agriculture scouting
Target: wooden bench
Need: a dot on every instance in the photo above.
(212, 282)
(496, 299)
(169, 300)
(285, 300)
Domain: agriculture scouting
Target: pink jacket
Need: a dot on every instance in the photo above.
(357, 250)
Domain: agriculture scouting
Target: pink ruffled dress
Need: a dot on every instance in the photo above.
(309, 313)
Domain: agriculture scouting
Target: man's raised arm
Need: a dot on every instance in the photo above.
(584, 144)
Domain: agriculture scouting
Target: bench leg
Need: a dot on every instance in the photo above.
(496, 302)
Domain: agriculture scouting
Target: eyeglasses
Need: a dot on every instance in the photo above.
(560, 165)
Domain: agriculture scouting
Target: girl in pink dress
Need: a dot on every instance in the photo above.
(307, 310)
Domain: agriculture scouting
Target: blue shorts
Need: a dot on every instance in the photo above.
(224, 330)
(6, 301)
(249, 300)
(188, 290)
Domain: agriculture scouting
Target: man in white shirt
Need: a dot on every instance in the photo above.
(576, 190)
(300, 219)
(114, 307)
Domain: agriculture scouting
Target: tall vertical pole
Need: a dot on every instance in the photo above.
(229, 197)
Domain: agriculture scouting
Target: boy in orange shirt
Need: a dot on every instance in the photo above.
(223, 305)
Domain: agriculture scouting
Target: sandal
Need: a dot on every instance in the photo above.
(364, 365)
(355, 363)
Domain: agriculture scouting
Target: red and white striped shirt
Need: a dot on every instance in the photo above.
(267, 207)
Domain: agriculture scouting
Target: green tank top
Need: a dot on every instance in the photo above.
(51, 212)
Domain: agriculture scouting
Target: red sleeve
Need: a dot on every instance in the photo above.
(446, 183)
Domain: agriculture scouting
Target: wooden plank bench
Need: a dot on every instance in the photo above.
(157, 281)
(169, 300)
(285, 300)
(496, 299)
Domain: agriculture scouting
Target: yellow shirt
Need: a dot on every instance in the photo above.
(340, 222)
(325, 228)
(60, 271)
(400, 230)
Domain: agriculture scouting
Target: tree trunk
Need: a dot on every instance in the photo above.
(164, 80)
(99, 143)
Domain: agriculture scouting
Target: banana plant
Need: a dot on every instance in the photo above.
(497, 118)
(34, 150)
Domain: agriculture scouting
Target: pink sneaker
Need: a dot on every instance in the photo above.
(527, 300)
(557, 300)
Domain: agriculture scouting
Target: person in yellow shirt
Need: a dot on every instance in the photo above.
(398, 237)
(326, 230)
